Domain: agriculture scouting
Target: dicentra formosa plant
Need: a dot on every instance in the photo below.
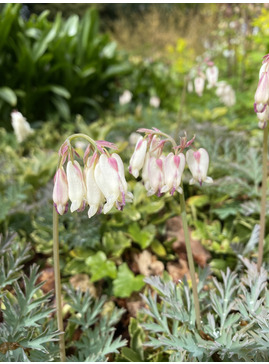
(101, 185)
(162, 174)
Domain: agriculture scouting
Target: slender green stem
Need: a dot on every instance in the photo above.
(263, 197)
(190, 259)
(58, 283)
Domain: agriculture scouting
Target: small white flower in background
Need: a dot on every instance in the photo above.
(226, 93)
(60, 191)
(173, 168)
(81, 145)
(190, 86)
(199, 84)
(198, 164)
(21, 126)
(76, 186)
(154, 101)
(126, 97)
(133, 138)
(138, 157)
(212, 74)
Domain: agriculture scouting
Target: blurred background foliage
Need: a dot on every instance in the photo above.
(64, 66)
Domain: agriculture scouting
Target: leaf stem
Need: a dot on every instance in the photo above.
(57, 278)
(190, 259)
(263, 197)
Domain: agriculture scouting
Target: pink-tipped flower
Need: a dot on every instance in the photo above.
(173, 168)
(94, 195)
(138, 157)
(60, 191)
(199, 84)
(262, 93)
(155, 175)
(109, 176)
(76, 186)
(198, 164)
(212, 74)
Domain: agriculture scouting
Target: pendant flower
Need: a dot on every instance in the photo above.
(60, 191)
(198, 164)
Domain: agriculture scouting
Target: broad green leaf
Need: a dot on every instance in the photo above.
(158, 248)
(115, 242)
(100, 267)
(130, 355)
(152, 207)
(126, 282)
(61, 91)
(142, 236)
(8, 95)
(198, 201)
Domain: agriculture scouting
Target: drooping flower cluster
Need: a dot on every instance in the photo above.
(163, 173)
(22, 128)
(262, 94)
(207, 71)
(100, 185)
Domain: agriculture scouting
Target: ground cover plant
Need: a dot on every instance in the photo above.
(134, 224)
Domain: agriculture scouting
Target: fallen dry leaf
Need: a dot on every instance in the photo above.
(148, 264)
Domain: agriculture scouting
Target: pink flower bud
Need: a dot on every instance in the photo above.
(76, 186)
(60, 191)
(198, 164)
(173, 168)
(262, 93)
(138, 157)
(94, 195)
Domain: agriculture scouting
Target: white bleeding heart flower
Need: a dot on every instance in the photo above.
(60, 191)
(190, 86)
(212, 74)
(21, 126)
(126, 97)
(262, 93)
(94, 195)
(154, 101)
(156, 176)
(199, 84)
(138, 157)
(76, 186)
(173, 168)
(198, 164)
(109, 176)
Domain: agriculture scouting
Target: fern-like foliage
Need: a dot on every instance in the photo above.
(25, 334)
(97, 338)
(235, 319)
(11, 263)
